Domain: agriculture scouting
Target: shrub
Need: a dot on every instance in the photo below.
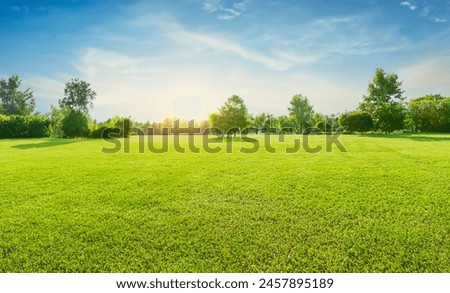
(357, 121)
(16, 126)
(75, 124)
(104, 132)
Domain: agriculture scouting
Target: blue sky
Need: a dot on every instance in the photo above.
(152, 59)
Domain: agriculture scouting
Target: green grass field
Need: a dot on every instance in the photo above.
(383, 206)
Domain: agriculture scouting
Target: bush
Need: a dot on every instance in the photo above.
(104, 132)
(38, 126)
(75, 124)
(357, 121)
(324, 126)
(122, 123)
(16, 126)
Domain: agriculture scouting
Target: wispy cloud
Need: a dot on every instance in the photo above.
(223, 11)
(429, 76)
(440, 20)
(409, 5)
(20, 8)
(213, 41)
(425, 11)
(151, 91)
(436, 13)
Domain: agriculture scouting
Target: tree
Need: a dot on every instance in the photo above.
(123, 123)
(357, 121)
(75, 124)
(430, 113)
(78, 96)
(74, 109)
(301, 112)
(284, 124)
(232, 116)
(13, 101)
(384, 101)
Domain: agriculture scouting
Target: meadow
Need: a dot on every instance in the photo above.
(382, 206)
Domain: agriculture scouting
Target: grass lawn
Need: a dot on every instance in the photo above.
(383, 206)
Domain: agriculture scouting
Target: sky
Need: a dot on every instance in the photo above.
(155, 59)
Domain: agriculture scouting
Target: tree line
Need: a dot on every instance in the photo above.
(383, 109)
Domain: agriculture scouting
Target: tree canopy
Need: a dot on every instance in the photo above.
(78, 96)
(12, 100)
(301, 112)
(430, 113)
(384, 101)
(232, 117)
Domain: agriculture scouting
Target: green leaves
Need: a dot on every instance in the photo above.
(13, 101)
(301, 112)
(430, 113)
(357, 121)
(78, 96)
(232, 116)
(75, 124)
(385, 101)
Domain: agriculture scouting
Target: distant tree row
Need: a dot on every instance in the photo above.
(383, 109)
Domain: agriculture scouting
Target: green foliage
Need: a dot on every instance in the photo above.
(125, 125)
(324, 126)
(384, 101)
(390, 117)
(264, 123)
(13, 101)
(78, 96)
(383, 89)
(357, 121)
(382, 207)
(75, 124)
(430, 113)
(56, 117)
(285, 124)
(104, 131)
(15, 126)
(301, 112)
(116, 126)
(232, 116)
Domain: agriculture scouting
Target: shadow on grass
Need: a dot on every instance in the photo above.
(415, 137)
(45, 144)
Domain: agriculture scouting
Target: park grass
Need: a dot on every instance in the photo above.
(382, 206)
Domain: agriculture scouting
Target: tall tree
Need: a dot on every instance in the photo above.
(78, 96)
(12, 100)
(74, 106)
(232, 116)
(301, 112)
(384, 101)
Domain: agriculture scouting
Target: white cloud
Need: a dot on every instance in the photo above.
(20, 8)
(440, 20)
(225, 12)
(425, 11)
(152, 90)
(409, 5)
(211, 5)
(50, 89)
(213, 42)
(429, 76)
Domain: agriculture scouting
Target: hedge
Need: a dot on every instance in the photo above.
(16, 126)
